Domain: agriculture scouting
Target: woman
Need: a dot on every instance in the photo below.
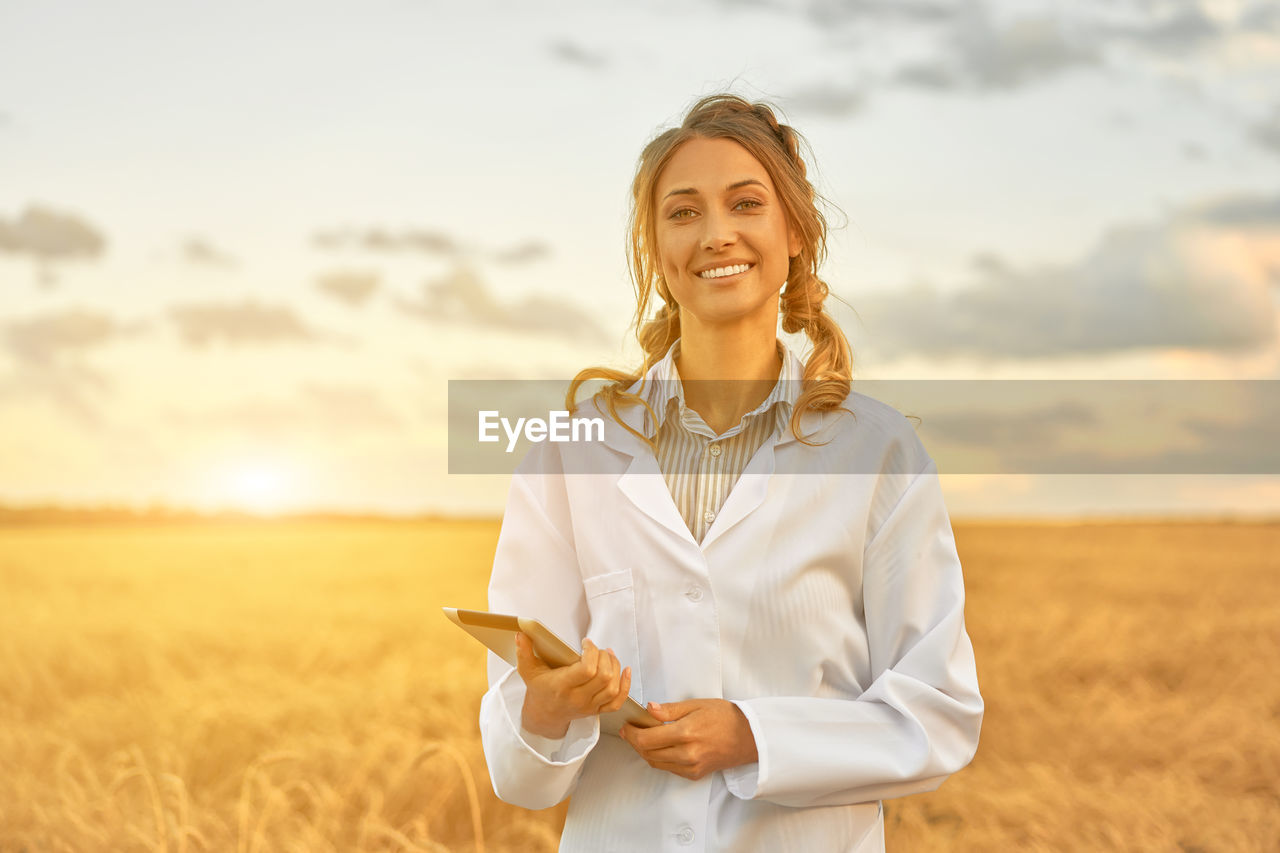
(755, 551)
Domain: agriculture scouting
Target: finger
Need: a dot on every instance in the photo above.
(606, 695)
(624, 691)
(602, 689)
(673, 710)
(588, 664)
(658, 737)
(677, 755)
(528, 664)
(608, 671)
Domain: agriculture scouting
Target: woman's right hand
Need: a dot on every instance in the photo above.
(556, 696)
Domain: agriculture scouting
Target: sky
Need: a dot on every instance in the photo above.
(245, 246)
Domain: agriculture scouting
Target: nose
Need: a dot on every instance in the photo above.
(717, 232)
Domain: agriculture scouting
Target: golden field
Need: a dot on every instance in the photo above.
(281, 686)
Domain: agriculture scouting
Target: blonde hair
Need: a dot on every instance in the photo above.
(829, 369)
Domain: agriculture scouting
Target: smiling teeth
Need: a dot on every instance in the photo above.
(720, 272)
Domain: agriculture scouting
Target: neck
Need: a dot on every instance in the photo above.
(727, 373)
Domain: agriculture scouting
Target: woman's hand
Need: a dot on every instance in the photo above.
(556, 696)
(699, 737)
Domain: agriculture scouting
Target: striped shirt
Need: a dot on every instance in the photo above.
(700, 467)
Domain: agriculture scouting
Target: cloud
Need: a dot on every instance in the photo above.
(49, 353)
(1092, 426)
(1197, 280)
(928, 75)
(1267, 131)
(381, 240)
(1177, 31)
(1244, 432)
(50, 235)
(828, 99)
(352, 287)
(199, 251)
(47, 338)
(829, 14)
(527, 252)
(997, 429)
(980, 53)
(1261, 17)
(243, 323)
(76, 389)
(1240, 212)
(426, 242)
(461, 297)
(574, 54)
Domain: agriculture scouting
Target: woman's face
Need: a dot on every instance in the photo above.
(724, 244)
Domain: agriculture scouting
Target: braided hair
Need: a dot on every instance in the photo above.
(829, 369)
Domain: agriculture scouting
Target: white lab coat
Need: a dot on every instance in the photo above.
(826, 601)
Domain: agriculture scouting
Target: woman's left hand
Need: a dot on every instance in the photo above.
(698, 737)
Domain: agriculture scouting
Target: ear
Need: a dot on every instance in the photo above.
(794, 244)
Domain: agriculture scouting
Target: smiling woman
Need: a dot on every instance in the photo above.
(759, 553)
(734, 234)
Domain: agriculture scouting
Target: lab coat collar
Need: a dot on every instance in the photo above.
(644, 484)
(653, 390)
(664, 392)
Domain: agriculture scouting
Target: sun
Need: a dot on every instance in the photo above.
(265, 488)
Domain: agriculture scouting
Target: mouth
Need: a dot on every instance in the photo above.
(726, 272)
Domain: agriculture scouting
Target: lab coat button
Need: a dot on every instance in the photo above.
(708, 516)
(694, 593)
(685, 835)
(714, 450)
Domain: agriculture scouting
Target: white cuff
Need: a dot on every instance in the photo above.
(582, 735)
(744, 780)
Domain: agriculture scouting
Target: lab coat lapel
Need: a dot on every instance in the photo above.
(645, 486)
(753, 486)
(747, 494)
(642, 482)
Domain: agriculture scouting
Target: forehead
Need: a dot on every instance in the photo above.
(708, 166)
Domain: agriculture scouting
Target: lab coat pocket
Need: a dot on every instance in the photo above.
(611, 601)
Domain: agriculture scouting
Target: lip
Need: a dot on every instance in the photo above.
(750, 266)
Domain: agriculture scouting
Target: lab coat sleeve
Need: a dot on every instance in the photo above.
(919, 719)
(535, 574)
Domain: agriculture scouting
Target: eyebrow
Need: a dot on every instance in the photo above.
(691, 191)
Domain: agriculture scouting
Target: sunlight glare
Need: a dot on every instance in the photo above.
(262, 488)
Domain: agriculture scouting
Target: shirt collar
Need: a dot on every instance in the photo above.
(662, 388)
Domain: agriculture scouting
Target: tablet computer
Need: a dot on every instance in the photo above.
(498, 632)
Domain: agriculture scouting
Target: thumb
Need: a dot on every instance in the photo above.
(527, 663)
(671, 710)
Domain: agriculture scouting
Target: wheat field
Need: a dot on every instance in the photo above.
(292, 686)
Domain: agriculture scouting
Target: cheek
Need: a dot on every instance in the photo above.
(671, 254)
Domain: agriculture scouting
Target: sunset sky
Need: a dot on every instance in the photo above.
(244, 246)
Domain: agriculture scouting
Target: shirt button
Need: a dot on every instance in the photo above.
(694, 593)
(714, 450)
(685, 835)
(708, 516)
